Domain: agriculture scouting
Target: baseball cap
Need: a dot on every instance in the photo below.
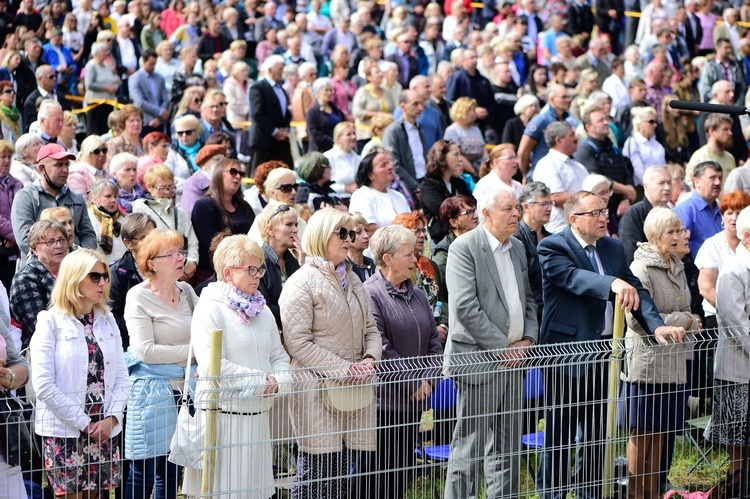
(54, 151)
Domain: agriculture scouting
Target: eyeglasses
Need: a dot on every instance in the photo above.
(103, 150)
(98, 276)
(420, 231)
(468, 213)
(170, 256)
(281, 209)
(218, 105)
(511, 158)
(343, 232)
(287, 188)
(653, 122)
(167, 188)
(51, 243)
(185, 132)
(594, 213)
(251, 271)
(235, 172)
(49, 77)
(544, 204)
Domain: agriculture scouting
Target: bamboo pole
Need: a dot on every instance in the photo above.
(618, 331)
(209, 440)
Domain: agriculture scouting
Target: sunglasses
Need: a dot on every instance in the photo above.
(281, 209)
(103, 150)
(251, 271)
(49, 77)
(343, 232)
(185, 132)
(653, 122)
(198, 100)
(9, 91)
(98, 276)
(235, 172)
(287, 188)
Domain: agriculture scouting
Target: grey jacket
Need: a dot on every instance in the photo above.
(732, 361)
(479, 318)
(712, 73)
(411, 343)
(33, 199)
(396, 141)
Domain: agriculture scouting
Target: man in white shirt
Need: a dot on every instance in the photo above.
(559, 171)
(616, 87)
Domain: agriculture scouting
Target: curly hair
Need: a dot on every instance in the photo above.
(126, 112)
(261, 173)
(436, 162)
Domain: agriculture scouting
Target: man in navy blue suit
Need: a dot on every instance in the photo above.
(582, 271)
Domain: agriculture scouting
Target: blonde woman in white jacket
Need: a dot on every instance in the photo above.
(254, 369)
(80, 380)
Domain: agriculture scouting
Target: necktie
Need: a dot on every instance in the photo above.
(591, 254)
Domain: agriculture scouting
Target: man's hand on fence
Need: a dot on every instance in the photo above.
(662, 334)
(512, 355)
(629, 299)
(272, 386)
(424, 391)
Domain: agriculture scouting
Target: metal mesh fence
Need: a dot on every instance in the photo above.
(599, 419)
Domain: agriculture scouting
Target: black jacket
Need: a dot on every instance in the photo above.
(319, 129)
(528, 238)
(125, 275)
(270, 284)
(580, 19)
(404, 79)
(267, 115)
(631, 228)
(29, 106)
(693, 39)
(600, 156)
(318, 194)
(117, 57)
(209, 45)
(26, 79)
(433, 192)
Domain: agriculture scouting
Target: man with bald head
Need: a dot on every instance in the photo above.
(46, 80)
(429, 120)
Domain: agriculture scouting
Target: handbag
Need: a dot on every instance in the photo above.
(345, 396)
(185, 449)
(15, 430)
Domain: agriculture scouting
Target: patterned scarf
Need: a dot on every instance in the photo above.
(110, 227)
(342, 274)
(246, 306)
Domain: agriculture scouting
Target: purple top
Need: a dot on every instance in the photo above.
(708, 22)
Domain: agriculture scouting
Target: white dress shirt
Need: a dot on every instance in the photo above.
(618, 90)
(643, 153)
(417, 149)
(560, 173)
(507, 274)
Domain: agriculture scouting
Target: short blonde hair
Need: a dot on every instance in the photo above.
(75, 267)
(39, 230)
(658, 220)
(359, 219)
(273, 181)
(157, 172)
(233, 250)
(189, 120)
(340, 128)
(641, 114)
(6, 148)
(389, 239)
(269, 217)
(153, 244)
(461, 107)
(54, 213)
(69, 117)
(320, 229)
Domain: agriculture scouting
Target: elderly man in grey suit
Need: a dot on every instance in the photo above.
(493, 321)
(148, 91)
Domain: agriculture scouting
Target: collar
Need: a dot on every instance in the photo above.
(43, 92)
(94, 171)
(559, 155)
(271, 82)
(580, 240)
(643, 140)
(409, 126)
(494, 242)
(702, 204)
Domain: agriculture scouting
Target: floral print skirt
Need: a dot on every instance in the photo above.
(79, 464)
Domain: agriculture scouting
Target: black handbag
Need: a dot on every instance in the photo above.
(15, 431)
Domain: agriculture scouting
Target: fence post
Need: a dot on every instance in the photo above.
(209, 441)
(618, 331)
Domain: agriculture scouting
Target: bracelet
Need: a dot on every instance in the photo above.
(12, 377)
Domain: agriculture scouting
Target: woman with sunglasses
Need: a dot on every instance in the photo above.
(327, 322)
(92, 158)
(161, 208)
(184, 149)
(642, 147)
(80, 379)
(445, 165)
(252, 359)
(222, 207)
(10, 116)
(101, 82)
(281, 186)
(158, 312)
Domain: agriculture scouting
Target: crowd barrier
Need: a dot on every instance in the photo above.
(417, 448)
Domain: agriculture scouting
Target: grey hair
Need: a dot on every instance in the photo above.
(486, 198)
(47, 106)
(597, 97)
(41, 69)
(305, 68)
(705, 165)
(389, 239)
(119, 161)
(524, 102)
(715, 88)
(290, 70)
(658, 220)
(319, 84)
(533, 191)
(640, 115)
(26, 141)
(270, 62)
(593, 180)
(98, 47)
(418, 80)
(743, 223)
(653, 170)
(555, 130)
(100, 186)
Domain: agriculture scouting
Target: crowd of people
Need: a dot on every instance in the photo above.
(354, 191)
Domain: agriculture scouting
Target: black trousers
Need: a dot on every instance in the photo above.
(96, 119)
(279, 151)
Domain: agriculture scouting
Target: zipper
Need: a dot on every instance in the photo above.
(419, 331)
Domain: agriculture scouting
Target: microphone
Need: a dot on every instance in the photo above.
(707, 108)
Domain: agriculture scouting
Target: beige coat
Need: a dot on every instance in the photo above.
(647, 360)
(323, 332)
